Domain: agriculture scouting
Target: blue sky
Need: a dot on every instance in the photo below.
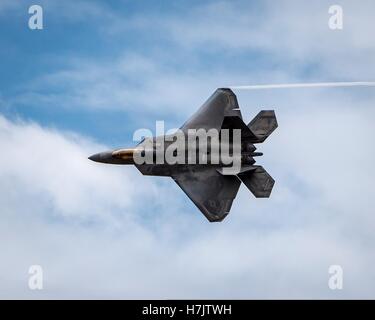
(71, 37)
(100, 33)
(101, 69)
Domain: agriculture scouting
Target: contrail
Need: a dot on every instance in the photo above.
(305, 85)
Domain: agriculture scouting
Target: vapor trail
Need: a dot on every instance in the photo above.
(305, 85)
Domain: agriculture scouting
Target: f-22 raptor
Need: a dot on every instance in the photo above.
(206, 185)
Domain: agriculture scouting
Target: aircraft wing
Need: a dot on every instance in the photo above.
(210, 191)
(211, 114)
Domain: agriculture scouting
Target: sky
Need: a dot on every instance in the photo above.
(99, 70)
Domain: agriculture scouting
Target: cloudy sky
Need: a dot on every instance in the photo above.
(99, 70)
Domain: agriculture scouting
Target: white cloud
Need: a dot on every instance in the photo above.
(293, 32)
(102, 231)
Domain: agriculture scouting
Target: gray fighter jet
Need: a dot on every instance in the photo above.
(206, 185)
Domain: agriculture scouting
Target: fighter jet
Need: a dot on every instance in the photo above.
(206, 184)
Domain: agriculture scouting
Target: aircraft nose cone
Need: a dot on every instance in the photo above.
(103, 157)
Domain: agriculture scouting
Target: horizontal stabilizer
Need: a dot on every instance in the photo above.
(258, 181)
(263, 125)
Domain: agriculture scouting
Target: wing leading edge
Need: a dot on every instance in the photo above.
(210, 115)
